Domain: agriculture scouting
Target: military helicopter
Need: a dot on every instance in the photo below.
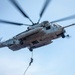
(38, 34)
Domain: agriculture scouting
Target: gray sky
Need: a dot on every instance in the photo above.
(57, 58)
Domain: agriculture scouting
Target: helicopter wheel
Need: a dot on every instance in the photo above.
(30, 49)
(62, 35)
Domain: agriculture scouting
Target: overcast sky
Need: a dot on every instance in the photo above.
(57, 58)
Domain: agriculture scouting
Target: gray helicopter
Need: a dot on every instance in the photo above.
(37, 34)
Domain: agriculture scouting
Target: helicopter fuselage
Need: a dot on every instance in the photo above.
(36, 36)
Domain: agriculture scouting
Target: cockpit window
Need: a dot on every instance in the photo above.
(48, 27)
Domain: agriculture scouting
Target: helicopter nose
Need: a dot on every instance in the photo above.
(62, 33)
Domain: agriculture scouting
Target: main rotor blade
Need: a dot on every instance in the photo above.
(14, 23)
(43, 9)
(20, 9)
(64, 19)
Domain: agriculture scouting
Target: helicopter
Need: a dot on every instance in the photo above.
(38, 34)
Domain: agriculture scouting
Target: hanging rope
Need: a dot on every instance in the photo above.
(31, 61)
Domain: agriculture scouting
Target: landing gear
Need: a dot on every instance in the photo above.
(67, 36)
(62, 35)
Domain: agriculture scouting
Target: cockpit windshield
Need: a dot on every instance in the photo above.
(56, 25)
